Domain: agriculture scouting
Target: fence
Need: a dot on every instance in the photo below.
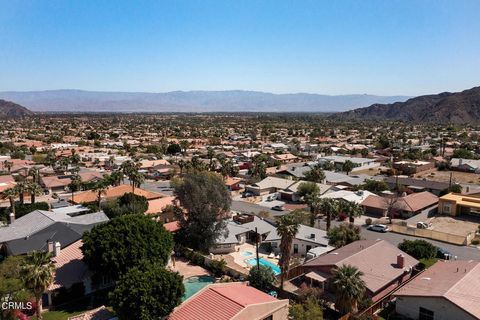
(434, 235)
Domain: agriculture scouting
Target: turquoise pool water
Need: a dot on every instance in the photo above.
(263, 262)
(195, 284)
(246, 253)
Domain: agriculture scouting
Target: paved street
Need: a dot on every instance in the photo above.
(462, 252)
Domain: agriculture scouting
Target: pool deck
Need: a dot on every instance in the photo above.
(239, 258)
(187, 269)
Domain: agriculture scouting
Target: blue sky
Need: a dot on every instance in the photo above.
(384, 47)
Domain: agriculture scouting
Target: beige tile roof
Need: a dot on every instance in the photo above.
(456, 281)
(375, 258)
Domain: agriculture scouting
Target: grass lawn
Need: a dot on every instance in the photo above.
(59, 314)
(428, 262)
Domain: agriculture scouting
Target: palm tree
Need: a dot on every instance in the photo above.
(21, 189)
(34, 190)
(328, 206)
(136, 178)
(38, 272)
(34, 172)
(287, 229)
(100, 188)
(116, 178)
(349, 288)
(75, 183)
(11, 194)
(8, 165)
(351, 209)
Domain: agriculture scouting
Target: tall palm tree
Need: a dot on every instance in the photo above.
(136, 178)
(34, 172)
(349, 288)
(116, 178)
(351, 209)
(21, 190)
(11, 194)
(328, 206)
(100, 188)
(287, 229)
(8, 165)
(34, 190)
(75, 184)
(37, 273)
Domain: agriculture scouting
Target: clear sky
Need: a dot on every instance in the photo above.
(384, 47)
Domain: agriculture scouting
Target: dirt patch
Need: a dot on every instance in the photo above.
(444, 176)
(453, 226)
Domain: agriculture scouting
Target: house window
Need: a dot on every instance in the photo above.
(446, 208)
(270, 317)
(425, 314)
(295, 248)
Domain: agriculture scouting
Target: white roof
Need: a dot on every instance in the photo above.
(352, 196)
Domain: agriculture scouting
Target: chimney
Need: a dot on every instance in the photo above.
(12, 217)
(50, 246)
(56, 249)
(400, 261)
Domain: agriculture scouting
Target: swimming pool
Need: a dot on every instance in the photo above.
(246, 253)
(195, 284)
(253, 262)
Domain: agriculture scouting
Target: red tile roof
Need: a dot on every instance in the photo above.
(411, 203)
(219, 302)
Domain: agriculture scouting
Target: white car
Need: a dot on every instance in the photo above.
(378, 228)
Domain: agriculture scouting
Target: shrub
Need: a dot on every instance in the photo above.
(419, 249)
(342, 216)
(261, 278)
(476, 242)
(217, 267)
(368, 221)
(26, 208)
(197, 259)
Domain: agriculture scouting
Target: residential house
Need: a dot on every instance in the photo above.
(358, 163)
(55, 184)
(417, 185)
(405, 206)
(307, 238)
(291, 193)
(233, 183)
(284, 158)
(32, 231)
(412, 167)
(455, 204)
(384, 267)
(268, 185)
(467, 165)
(447, 290)
(6, 182)
(228, 301)
(111, 193)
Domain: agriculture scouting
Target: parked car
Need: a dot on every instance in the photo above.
(278, 208)
(443, 253)
(424, 225)
(247, 194)
(378, 228)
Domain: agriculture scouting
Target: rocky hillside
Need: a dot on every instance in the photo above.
(460, 107)
(9, 109)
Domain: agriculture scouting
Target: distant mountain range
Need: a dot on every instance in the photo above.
(9, 109)
(460, 107)
(190, 101)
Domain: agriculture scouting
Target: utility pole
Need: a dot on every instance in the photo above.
(256, 247)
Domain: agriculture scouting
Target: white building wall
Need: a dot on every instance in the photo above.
(442, 308)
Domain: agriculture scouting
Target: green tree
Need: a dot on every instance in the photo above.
(348, 166)
(287, 229)
(306, 189)
(37, 272)
(206, 201)
(261, 278)
(310, 309)
(343, 234)
(349, 288)
(147, 292)
(316, 174)
(123, 242)
(463, 154)
(375, 186)
(327, 206)
(100, 188)
(419, 249)
(174, 148)
(11, 194)
(75, 184)
(11, 282)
